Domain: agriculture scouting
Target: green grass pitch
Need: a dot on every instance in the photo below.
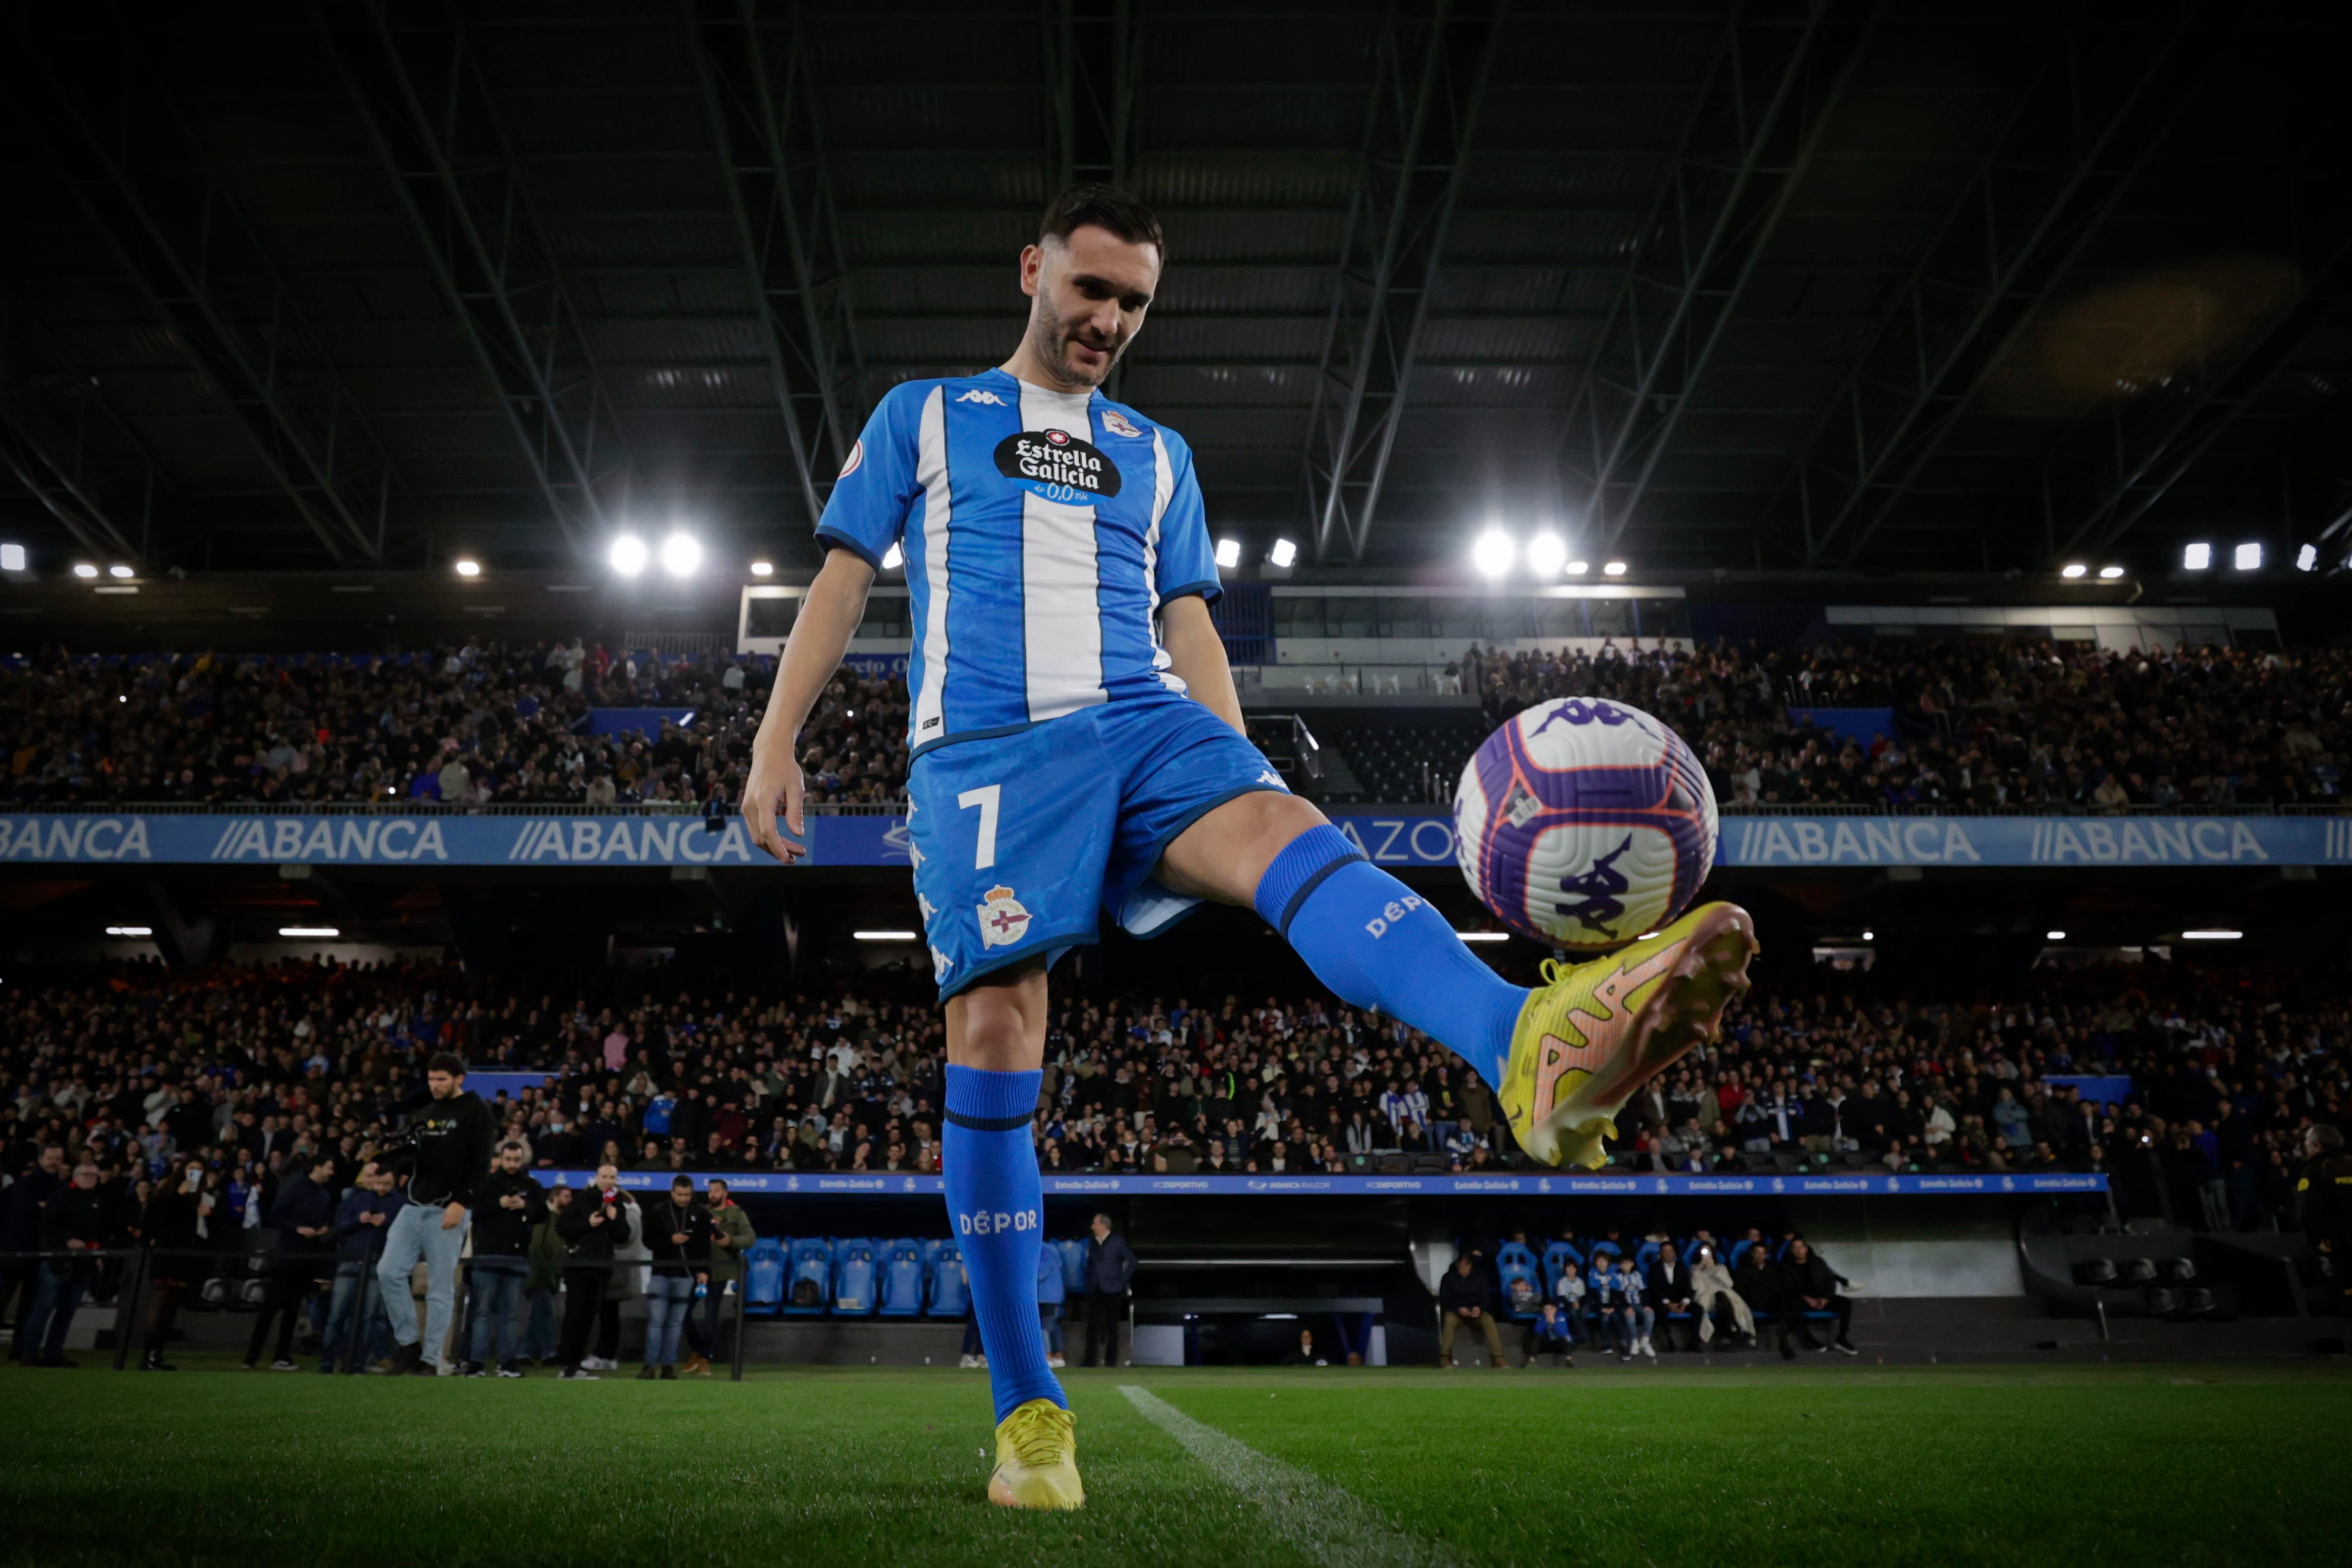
(2153, 1465)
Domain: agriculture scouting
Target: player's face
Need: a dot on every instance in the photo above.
(1087, 297)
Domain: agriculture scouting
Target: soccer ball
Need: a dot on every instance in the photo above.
(1584, 823)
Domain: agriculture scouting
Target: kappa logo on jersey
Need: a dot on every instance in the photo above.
(1004, 919)
(1058, 465)
(856, 456)
(1119, 424)
(927, 907)
(1272, 779)
(941, 964)
(982, 394)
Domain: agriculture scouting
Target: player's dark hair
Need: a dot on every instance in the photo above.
(447, 1061)
(1103, 207)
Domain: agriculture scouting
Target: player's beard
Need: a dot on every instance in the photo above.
(1052, 338)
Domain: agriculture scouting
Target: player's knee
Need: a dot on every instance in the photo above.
(999, 1023)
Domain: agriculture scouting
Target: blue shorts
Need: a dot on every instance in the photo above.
(1022, 841)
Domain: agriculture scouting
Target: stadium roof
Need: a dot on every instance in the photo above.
(1814, 285)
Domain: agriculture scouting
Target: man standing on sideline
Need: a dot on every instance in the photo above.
(594, 1226)
(362, 1222)
(1111, 1269)
(678, 1233)
(2323, 1202)
(510, 1206)
(447, 1158)
(20, 1278)
(730, 1238)
(303, 1215)
(72, 1221)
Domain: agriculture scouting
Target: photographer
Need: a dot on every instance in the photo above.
(446, 1152)
(679, 1232)
(510, 1206)
(593, 1225)
(730, 1236)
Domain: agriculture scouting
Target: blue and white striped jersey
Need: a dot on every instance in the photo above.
(1042, 530)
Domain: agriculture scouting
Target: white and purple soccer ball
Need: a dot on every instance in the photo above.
(1584, 823)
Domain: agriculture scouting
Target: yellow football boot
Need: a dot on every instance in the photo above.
(1037, 1459)
(1596, 1031)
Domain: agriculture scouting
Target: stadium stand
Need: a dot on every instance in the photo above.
(1947, 726)
(244, 1068)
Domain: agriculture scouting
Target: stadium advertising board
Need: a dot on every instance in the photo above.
(456, 840)
(1500, 1183)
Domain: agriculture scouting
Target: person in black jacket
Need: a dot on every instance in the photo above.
(73, 1220)
(1462, 1301)
(1111, 1269)
(1810, 1285)
(1760, 1284)
(303, 1215)
(592, 1227)
(2322, 1203)
(678, 1230)
(25, 1200)
(508, 1207)
(172, 1227)
(447, 1154)
(1669, 1288)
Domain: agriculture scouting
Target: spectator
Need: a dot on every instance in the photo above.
(679, 1232)
(730, 1238)
(509, 1209)
(1669, 1291)
(1570, 1291)
(1628, 1318)
(173, 1228)
(1111, 1269)
(1551, 1334)
(73, 1220)
(1810, 1285)
(356, 1325)
(1050, 1294)
(546, 1277)
(20, 1277)
(1713, 1294)
(593, 1226)
(1305, 1354)
(1462, 1302)
(303, 1215)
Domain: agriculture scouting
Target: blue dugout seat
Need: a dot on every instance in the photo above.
(808, 1260)
(856, 1277)
(1556, 1254)
(1514, 1267)
(763, 1276)
(902, 1280)
(948, 1293)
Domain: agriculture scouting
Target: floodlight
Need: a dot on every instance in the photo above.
(83, 568)
(1229, 554)
(2247, 556)
(318, 931)
(2110, 572)
(680, 554)
(2195, 556)
(1547, 554)
(1283, 553)
(1493, 552)
(12, 558)
(763, 569)
(2307, 559)
(1614, 569)
(466, 566)
(2073, 568)
(628, 555)
(119, 569)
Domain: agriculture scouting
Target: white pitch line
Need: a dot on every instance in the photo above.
(1326, 1522)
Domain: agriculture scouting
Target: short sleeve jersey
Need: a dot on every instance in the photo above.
(1042, 532)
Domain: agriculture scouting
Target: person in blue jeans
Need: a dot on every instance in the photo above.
(1628, 1318)
(362, 1220)
(448, 1156)
(72, 1221)
(509, 1209)
(679, 1232)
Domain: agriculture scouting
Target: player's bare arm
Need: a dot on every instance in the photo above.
(1198, 656)
(828, 617)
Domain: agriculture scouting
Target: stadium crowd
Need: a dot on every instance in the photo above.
(469, 726)
(1976, 724)
(252, 1071)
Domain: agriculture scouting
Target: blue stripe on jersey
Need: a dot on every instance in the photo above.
(1031, 599)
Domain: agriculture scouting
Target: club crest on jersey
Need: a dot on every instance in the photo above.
(857, 455)
(1058, 465)
(1003, 920)
(1119, 424)
(982, 394)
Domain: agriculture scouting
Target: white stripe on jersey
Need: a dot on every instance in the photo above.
(1060, 578)
(932, 472)
(1163, 489)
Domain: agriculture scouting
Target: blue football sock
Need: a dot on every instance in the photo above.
(997, 1204)
(1378, 944)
